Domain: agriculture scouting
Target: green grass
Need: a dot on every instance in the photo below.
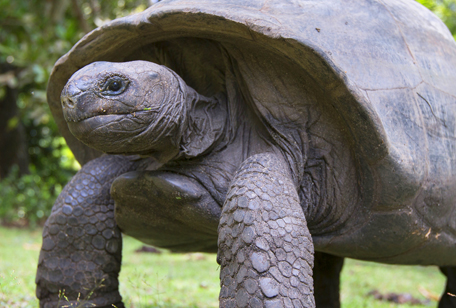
(168, 280)
(191, 280)
(359, 278)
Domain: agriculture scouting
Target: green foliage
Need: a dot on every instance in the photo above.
(26, 199)
(33, 35)
(445, 9)
(29, 198)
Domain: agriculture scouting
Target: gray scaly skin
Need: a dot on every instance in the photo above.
(265, 248)
(82, 245)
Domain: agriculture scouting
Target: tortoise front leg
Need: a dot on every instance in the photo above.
(81, 253)
(265, 248)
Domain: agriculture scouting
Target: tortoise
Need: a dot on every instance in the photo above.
(284, 135)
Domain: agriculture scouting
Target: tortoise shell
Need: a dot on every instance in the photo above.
(380, 73)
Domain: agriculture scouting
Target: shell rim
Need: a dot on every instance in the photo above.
(156, 17)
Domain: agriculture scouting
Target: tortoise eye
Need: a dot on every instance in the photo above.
(114, 86)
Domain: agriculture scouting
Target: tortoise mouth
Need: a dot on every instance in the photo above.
(115, 126)
(79, 118)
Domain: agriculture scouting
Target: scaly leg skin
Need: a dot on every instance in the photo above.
(265, 248)
(326, 276)
(81, 253)
(448, 299)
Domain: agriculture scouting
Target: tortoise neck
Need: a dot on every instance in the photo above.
(205, 125)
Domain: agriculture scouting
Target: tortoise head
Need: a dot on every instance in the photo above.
(126, 108)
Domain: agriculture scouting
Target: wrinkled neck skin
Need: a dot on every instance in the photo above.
(215, 170)
(205, 124)
(201, 129)
(142, 108)
(213, 155)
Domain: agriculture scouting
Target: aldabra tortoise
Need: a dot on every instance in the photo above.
(264, 130)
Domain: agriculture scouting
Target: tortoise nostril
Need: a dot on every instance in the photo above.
(68, 102)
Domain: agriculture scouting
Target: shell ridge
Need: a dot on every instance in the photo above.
(396, 88)
(400, 30)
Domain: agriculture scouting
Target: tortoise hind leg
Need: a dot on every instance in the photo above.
(265, 249)
(448, 299)
(326, 276)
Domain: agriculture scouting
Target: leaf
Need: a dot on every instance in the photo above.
(8, 79)
(12, 123)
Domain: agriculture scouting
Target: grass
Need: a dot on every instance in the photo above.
(191, 280)
(360, 278)
(168, 280)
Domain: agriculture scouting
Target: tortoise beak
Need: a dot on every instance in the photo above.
(68, 102)
(76, 107)
(68, 96)
(71, 97)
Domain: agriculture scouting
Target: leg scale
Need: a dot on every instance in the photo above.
(265, 248)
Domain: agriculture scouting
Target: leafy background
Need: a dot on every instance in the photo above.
(35, 162)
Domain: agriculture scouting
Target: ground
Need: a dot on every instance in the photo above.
(191, 280)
